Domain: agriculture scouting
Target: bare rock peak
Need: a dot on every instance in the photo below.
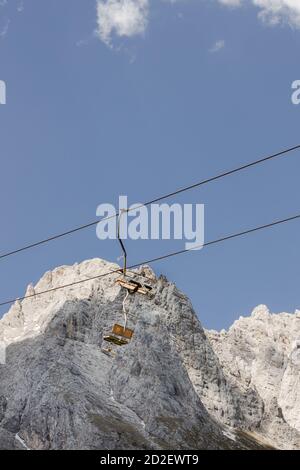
(174, 385)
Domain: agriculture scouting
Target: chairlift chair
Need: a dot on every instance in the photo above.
(121, 335)
(134, 286)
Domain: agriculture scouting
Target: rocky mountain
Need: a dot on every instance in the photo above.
(174, 386)
(260, 355)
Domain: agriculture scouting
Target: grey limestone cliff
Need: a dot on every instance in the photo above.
(174, 386)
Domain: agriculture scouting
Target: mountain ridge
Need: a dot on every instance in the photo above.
(171, 387)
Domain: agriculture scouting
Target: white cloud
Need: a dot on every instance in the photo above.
(279, 11)
(273, 12)
(220, 44)
(128, 18)
(20, 7)
(4, 28)
(121, 17)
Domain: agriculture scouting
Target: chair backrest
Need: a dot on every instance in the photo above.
(121, 331)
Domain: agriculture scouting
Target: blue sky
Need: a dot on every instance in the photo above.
(141, 103)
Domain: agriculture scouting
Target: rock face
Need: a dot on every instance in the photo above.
(260, 354)
(174, 386)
